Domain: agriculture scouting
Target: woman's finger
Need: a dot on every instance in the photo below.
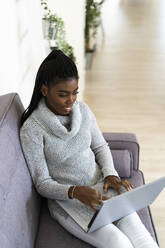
(94, 206)
(100, 202)
(104, 198)
(105, 187)
(127, 185)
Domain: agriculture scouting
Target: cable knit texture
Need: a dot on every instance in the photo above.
(59, 155)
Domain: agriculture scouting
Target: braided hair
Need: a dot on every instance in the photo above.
(54, 68)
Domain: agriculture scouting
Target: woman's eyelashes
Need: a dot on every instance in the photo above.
(65, 94)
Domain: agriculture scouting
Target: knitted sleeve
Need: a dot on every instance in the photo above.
(33, 149)
(101, 150)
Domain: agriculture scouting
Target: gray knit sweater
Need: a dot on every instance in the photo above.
(59, 156)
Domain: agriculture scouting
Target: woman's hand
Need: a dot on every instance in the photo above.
(88, 196)
(116, 183)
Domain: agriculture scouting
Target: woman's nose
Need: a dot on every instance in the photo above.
(70, 100)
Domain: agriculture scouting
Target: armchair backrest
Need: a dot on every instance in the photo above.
(19, 202)
(126, 147)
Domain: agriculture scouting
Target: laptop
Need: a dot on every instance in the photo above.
(116, 207)
(126, 203)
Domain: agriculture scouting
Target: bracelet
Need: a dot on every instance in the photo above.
(72, 192)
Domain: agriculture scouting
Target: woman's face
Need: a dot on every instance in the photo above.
(60, 98)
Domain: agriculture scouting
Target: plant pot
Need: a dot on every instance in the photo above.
(89, 58)
(45, 28)
(49, 29)
(52, 30)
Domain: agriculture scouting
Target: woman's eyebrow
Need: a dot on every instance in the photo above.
(65, 91)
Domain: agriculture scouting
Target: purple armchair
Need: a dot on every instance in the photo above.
(24, 216)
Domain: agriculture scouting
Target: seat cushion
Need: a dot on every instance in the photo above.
(51, 234)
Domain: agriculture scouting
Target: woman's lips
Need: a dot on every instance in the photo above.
(68, 109)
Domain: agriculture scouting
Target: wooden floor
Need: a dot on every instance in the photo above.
(126, 86)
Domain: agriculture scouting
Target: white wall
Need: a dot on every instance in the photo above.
(8, 47)
(21, 46)
(73, 14)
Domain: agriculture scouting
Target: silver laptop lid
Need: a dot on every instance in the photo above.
(126, 203)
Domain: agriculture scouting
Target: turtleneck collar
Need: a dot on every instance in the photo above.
(46, 118)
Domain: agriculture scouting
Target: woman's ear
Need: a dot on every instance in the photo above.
(44, 90)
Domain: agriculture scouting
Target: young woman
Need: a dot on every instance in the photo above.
(68, 157)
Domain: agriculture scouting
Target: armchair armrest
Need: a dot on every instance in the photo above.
(124, 141)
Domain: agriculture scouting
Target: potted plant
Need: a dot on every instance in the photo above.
(92, 22)
(54, 32)
(47, 21)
